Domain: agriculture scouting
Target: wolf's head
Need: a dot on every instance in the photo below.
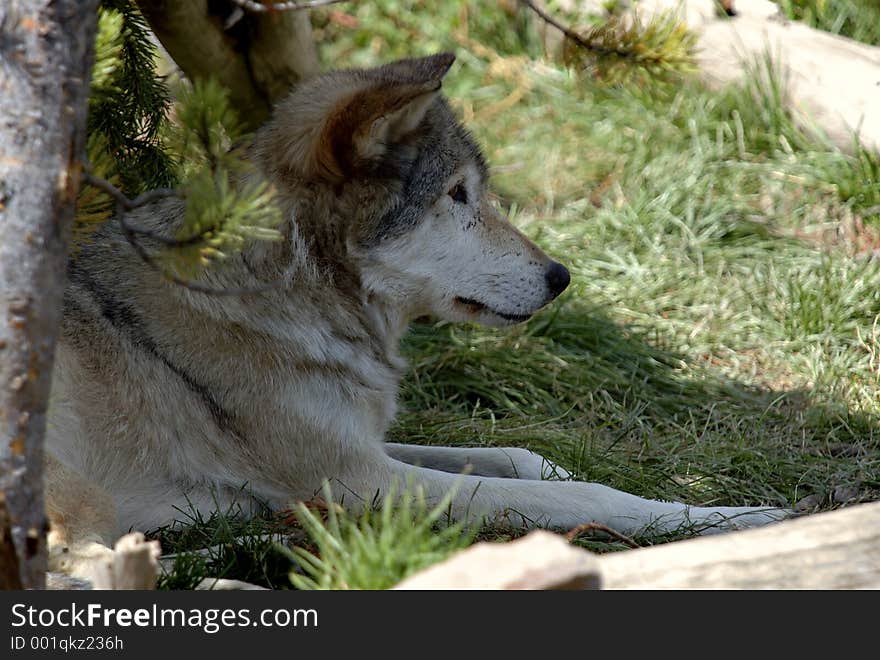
(390, 184)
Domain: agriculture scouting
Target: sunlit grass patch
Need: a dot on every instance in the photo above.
(856, 19)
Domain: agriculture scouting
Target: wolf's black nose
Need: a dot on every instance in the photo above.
(558, 278)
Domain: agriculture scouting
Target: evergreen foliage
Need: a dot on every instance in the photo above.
(227, 202)
(129, 101)
(132, 145)
(630, 49)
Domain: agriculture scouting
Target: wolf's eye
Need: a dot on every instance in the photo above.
(458, 193)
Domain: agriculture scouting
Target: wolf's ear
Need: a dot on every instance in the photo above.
(383, 112)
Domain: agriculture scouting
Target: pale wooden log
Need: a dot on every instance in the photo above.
(541, 560)
(833, 550)
(134, 564)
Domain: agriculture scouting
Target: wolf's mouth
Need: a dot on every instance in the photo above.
(475, 306)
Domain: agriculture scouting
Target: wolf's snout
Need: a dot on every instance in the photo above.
(558, 278)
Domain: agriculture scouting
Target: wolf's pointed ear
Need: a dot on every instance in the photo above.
(387, 109)
(338, 125)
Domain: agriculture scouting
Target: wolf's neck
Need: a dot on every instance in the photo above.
(319, 292)
(387, 327)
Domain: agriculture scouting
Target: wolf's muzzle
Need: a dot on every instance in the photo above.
(557, 277)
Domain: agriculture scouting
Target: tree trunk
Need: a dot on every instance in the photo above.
(46, 49)
(257, 57)
(9, 575)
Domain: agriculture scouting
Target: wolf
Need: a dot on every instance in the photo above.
(168, 399)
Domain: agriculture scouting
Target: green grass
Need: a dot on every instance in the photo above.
(718, 343)
(856, 19)
(226, 545)
(375, 550)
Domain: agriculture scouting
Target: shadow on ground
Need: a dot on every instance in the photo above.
(612, 405)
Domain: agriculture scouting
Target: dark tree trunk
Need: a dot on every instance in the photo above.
(46, 49)
(257, 57)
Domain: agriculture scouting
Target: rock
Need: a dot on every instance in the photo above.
(832, 83)
(843, 494)
(809, 503)
(540, 560)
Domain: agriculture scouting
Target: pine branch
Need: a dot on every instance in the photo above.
(128, 100)
(145, 256)
(133, 234)
(622, 47)
(569, 33)
(123, 203)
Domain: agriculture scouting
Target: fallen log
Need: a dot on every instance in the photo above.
(834, 550)
(541, 560)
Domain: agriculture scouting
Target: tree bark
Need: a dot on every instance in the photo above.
(257, 57)
(10, 577)
(46, 49)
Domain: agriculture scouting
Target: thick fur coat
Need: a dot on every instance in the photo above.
(166, 398)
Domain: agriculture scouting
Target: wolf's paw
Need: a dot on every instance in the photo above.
(726, 519)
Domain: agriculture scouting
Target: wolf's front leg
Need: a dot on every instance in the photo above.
(82, 521)
(554, 504)
(507, 462)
